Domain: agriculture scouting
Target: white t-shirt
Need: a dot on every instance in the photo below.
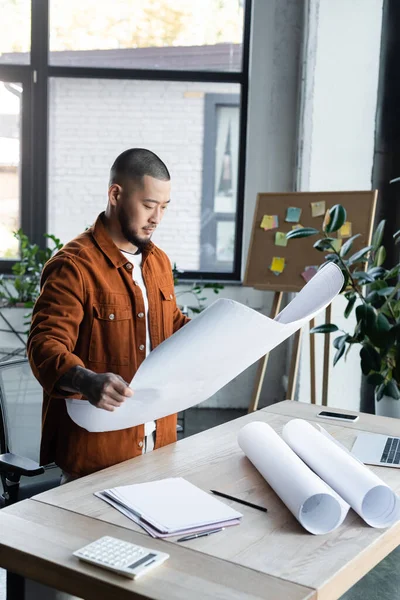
(136, 260)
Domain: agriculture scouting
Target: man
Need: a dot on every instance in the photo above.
(107, 299)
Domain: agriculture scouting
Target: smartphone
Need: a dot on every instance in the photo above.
(326, 414)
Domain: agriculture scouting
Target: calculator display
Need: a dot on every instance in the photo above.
(141, 561)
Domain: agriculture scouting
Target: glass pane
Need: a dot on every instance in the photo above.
(225, 245)
(147, 34)
(10, 128)
(226, 160)
(94, 120)
(15, 32)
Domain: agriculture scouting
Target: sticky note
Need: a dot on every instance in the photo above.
(293, 214)
(298, 226)
(269, 222)
(309, 272)
(346, 230)
(337, 244)
(327, 219)
(318, 209)
(277, 265)
(280, 239)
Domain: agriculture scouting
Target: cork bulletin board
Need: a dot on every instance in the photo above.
(271, 265)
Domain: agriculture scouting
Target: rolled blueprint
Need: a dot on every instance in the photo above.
(207, 353)
(368, 495)
(314, 504)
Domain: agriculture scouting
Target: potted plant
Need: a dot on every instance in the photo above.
(371, 290)
(196, 291)
(20, 289)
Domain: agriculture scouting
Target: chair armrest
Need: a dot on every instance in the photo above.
(12, 463)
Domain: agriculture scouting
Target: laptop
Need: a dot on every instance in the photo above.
(377, 449)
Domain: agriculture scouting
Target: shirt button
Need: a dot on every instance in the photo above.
(111, 316)
(128, 267)
(140, 444)
(141, 347)
(140, 315)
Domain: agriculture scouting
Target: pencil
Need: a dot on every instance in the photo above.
(245, 502)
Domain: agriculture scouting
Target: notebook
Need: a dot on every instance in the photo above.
(170, 506)
(377, 449)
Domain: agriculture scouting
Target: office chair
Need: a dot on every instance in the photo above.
(20, 427)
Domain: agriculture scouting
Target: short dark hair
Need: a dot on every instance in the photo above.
(134, 163)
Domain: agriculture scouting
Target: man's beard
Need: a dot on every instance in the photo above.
(129, 235)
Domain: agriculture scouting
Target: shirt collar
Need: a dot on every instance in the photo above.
(107, 246)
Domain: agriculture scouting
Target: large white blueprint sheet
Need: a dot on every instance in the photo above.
(316, 478)
(207, 353)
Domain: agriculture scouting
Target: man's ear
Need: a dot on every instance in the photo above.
(114, 193)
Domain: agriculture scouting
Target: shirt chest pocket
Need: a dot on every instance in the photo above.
(110, 340)
(168, 304)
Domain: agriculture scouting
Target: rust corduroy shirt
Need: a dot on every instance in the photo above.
(87, 314)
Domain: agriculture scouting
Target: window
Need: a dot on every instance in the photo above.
(220, 182)
(147, 34)
(97, 78)
(15, 37)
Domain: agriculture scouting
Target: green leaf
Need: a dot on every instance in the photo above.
(375, 379)
(347, 246)
(366, 314)
(332, 258)
(327, 328)
(361, 254)
(302, 232)
(377, 272)
(386, 291)
(393, 272)
(339, 354)
(349, 307)
(363, 277)
(380, 257)
(378, 235)
(396, 236)
(324, 244)
(337, 218)
(340, 341)
(370, 359)
(392, 390)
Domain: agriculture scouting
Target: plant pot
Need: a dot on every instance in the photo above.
(387, 407)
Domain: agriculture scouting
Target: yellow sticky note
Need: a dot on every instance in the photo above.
(280, 239)
(298, 226)
(318, 209)
(346, 230)
(277, 265)
(337, 244)
(269, 222)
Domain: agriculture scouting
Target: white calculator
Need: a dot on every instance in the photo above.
(121, 557)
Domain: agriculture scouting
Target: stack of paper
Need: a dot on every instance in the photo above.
(316, 477)
(202, 357)
(169, 507)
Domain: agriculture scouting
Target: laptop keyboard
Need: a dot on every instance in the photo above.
(391, 451)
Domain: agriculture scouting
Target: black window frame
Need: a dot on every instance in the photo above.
(34, 143)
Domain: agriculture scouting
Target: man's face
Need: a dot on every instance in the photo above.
(141, 208)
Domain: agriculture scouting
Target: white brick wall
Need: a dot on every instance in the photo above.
(92, 121)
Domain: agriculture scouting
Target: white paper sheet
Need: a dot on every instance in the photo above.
(314, 504)
(207, 353)
(171, 506)
(368, 495)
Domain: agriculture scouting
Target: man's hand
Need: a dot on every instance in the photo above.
(107, 391)
(103, 390)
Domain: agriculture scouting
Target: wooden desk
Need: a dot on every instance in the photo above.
(266, 556)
